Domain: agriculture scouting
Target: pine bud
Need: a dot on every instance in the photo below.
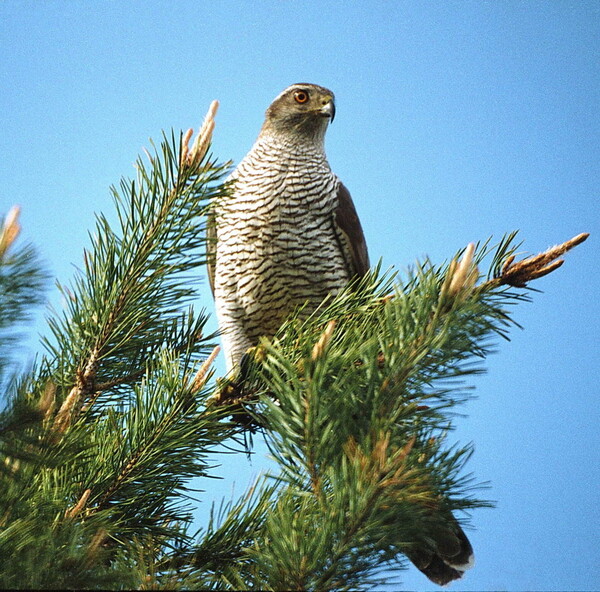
(10, 229)
(323, 341)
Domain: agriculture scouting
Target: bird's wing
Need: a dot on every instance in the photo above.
(350, 233)
(211, 249)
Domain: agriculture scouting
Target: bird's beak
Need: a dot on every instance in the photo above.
(328, 109)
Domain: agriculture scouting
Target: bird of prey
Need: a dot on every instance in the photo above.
(287, 236)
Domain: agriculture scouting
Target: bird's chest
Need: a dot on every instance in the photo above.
(276, 244)
(293, 215)
(277, 218)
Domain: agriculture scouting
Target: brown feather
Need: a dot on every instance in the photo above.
(351, 234)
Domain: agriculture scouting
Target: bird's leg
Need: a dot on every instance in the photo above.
(237, 390)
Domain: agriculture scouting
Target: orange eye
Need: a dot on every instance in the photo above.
(301, 96)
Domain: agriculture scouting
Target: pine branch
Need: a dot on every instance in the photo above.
(356, 403)
(166, 441)
(220, 556)
(368, 378)
(130, 298)
(118, 421)
(22, 282)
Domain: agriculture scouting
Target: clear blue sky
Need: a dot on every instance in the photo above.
(455, 121)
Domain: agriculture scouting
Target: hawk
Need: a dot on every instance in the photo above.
(287, 236)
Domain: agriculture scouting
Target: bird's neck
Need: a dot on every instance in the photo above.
(290, 144)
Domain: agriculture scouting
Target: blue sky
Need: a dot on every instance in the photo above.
(455, 121)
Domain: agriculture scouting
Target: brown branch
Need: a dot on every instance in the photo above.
(201, 375)
(84, 386)
(78, 507)
(520, 273)
(98, 541)
(90, 401)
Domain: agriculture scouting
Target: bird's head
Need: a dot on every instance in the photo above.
(301, 109)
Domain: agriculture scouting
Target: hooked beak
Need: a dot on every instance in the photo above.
(328, 109)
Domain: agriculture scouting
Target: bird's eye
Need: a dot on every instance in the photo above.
(301, 96)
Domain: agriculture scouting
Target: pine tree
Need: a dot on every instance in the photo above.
(99, 441)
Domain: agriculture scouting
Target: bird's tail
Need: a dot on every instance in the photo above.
(450, 555)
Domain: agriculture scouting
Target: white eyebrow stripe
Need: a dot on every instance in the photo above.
(289, 88)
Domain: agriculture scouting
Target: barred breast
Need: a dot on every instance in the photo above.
(276, 246)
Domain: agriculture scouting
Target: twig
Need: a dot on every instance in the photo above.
(76, 509)
(104, 386)
(97, 541)
(520, 273)
(83, 386)
(201, 375)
